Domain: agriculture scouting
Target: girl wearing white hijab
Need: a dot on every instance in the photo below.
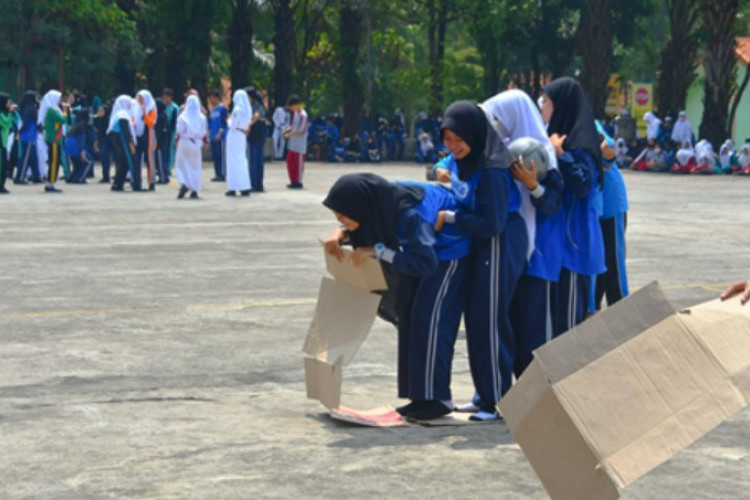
(684, 159)
(147, 144)
(621, 153)
(682, 131)
(238, 174)
(514, 115)
(727, 163)
(652, 125)
(121, 133)
(191, 134)
(51, 118)
(705, 157)
(744, 159)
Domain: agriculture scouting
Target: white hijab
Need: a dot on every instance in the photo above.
(50, 100)
(514, 115)
(744, 157)
(121, 111)
(242, 104)
(704, 152)
(685, 153)
(194, 120)
(148, 100)
(652, 125)
(682, 130)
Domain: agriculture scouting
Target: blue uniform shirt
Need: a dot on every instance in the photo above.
(217, 120)
(583, 246)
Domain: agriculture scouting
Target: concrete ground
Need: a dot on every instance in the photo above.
(151, 348)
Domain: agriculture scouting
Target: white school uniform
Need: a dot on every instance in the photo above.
(280, 122)
(238, 174)
(191, 131)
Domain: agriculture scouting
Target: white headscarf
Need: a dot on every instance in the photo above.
(242, 112)
(730, 144)
(682, 130)
(744, 157)
(50, 100)
(684, 154)
(704, 152)
(148, 100)
(513, 115)
(193, 119)
(652, 125)
(121, 111)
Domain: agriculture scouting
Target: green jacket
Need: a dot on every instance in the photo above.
(53, 122)
(6, 125)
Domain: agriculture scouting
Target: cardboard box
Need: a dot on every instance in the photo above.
(608, 401)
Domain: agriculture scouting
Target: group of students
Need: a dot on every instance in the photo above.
(39, 137)
(515, 255)
(672, 148)
(378, 139)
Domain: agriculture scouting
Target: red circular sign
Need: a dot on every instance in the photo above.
(642, 96)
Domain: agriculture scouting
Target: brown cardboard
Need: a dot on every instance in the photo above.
(343, 317)
(366, 276)
(323, 382)
(608, 401)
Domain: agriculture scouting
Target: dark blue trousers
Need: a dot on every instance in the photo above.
(497, 265)
(427, 339)
(256, 166)
(570, 300)
(106, 153)
(29, 161)
(217, 154)
(81, 168)
(532, 319)
(162, 162)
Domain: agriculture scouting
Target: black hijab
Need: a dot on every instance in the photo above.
(374, 203)
(468, 121)
(573, 116)
(4, 98)
(28, 104)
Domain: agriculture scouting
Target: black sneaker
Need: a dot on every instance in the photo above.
(259, 190)
(406, 409)
(217, 179)
(152, 187)
(52, 189)
(246, 192)
(183, 191)
(194, 195)
(230, 193)
(429, 410)
(117, 188)
(4, 190)
(294, 185)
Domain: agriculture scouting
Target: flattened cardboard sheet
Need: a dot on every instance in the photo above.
(455, 419)
(382, 416)
(323, 382)
(343, 318)
(366, 276)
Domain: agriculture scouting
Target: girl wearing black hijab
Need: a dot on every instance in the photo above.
(27, 137)
(570, 119)
(394, 223)
(488, 213)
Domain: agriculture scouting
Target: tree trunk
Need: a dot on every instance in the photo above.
(437, 11)
(240, 42)
(284, 52)
(720, 68)
(350, 19)
(596, 47)
(678, 58)
(737, 98)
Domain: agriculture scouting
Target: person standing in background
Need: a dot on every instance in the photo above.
(50, 117)
(6, 126)
(256, 139)
(280, 123)
(217, 126)
(148, 105)
(171, 110)
(296, 134)
(27, 138)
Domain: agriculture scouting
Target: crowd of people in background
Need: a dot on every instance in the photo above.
(671, 146)
(140, 136)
